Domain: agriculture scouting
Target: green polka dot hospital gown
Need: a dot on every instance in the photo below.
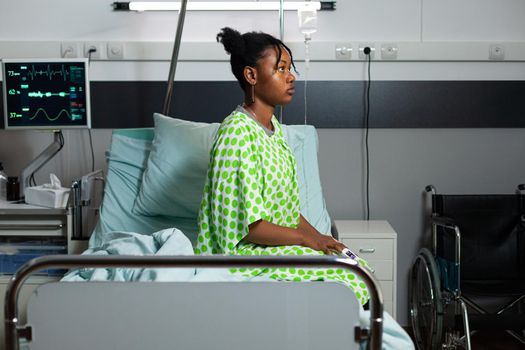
(252, 176)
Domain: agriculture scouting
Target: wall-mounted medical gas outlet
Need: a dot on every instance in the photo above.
(115, 51)
(362, 55)
(97, 46)
(68, 49)
(389, 51)
(497, 52)
(343, 51)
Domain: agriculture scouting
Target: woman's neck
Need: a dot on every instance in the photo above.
(262, 113)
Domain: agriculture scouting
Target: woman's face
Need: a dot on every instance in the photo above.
(275, 82)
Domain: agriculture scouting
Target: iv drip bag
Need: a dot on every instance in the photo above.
(307, 19)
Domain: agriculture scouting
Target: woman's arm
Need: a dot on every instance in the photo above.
(305, 225)
(265, 233)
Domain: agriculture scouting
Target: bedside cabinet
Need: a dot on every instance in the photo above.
(376, 242)
(28, 231)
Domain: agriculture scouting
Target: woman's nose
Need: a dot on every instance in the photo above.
(291, 77)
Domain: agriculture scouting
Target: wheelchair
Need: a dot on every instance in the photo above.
(473, 277)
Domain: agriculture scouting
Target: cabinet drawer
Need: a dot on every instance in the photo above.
(389, 307)
(371, 249)
(383, 269)
(387, 289)
(33, 227)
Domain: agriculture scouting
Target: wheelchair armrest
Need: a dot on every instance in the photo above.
(445, 222)
(449, 224)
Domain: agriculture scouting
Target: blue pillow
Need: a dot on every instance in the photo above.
(127, 158)
(174, 179)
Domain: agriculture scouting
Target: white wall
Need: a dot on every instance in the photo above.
(402, 161)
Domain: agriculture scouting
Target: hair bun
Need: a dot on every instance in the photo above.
(232, 40)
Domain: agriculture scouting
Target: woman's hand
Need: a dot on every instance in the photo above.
(318, 241)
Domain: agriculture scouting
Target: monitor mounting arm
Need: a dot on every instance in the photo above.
(39, 161)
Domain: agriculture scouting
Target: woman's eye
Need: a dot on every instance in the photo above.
(281, 69)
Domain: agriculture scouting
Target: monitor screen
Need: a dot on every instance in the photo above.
(46, 93)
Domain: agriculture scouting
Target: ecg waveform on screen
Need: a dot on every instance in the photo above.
(43, 111)
(40, 94)
(49, 72)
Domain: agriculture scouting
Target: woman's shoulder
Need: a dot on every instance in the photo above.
(237, 123)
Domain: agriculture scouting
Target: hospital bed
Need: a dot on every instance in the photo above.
(189, 307)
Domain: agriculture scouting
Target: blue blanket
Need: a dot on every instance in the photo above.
(165, 242)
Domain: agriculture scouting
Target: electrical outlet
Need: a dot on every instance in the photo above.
(97, 46)
(389, 51)
(343, 51)
(497, 52)
(362, 55)
(68, 49)
(115, 51)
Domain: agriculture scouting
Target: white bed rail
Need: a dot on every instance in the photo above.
(13, 331)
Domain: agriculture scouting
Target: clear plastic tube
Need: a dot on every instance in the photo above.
(306, 69)
(307, 16)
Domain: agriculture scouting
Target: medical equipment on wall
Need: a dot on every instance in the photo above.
(49, 94)
(307, 15)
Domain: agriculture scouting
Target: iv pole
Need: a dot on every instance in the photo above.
(174, 57)
(281, 36)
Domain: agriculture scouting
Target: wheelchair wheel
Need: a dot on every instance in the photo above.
(426, 306)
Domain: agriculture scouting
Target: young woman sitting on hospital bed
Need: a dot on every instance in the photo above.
(250, 204)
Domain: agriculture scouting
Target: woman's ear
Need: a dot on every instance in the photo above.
(250, 75)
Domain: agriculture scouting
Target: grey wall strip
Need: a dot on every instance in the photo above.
(331, 104)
